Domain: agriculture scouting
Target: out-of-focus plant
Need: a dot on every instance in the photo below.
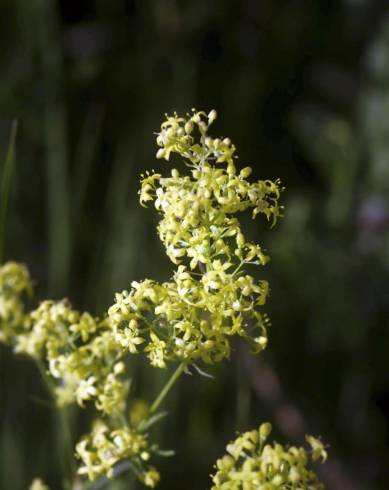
(190, 321)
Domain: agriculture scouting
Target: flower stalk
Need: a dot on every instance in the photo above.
(168, 386)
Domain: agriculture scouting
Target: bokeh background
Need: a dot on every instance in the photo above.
(302, 89)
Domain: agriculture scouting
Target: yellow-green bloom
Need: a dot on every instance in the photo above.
(150, 477)
(253, 463)
(103, 448)
(211, 298)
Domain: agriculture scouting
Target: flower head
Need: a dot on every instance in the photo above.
(252, 462)
(211, 298)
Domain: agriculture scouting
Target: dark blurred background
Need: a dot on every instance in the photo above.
(302, 89)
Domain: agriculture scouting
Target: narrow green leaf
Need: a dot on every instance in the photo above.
(146, 424)
(6, 186)
(166, 453)
(202, 373)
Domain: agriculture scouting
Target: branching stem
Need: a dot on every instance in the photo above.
(168, 386)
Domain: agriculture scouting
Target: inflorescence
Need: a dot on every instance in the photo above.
(210, 299)
(253, 463)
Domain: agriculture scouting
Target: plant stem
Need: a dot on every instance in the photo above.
(168, 386)
(6, 186)
(238, 268)
(65, 433)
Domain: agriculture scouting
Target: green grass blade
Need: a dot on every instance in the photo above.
(85, 153)
(6, 181)
(56, 146)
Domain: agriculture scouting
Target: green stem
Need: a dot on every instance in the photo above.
(6, 186)
(238, 268)
(65, 433)
(168, 386)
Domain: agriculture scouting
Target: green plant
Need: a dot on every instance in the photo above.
(189, 321)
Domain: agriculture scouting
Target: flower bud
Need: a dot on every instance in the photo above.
(264, 430)
(161, 153)
(188, 127)
(119, 368)
(212, 116)
(240, 240)
(245, 172)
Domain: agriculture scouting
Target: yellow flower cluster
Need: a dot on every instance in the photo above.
(210, 298)
(251, 463)
(193, 317)
(83, 363)
(14, 282)
(104, 447)
(189, 319)
(80, 352)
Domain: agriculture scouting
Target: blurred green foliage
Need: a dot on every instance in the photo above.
(303, 90)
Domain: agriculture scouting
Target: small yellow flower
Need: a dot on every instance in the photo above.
(318, 449)
(86, 390)
(151, 477)
(156, 349)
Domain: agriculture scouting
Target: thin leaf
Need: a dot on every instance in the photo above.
(146, 424)
(166, 453)
(6, 185)
(203, 373)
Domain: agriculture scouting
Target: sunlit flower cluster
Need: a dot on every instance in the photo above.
(252, 463)
(190, 319)
(80, 352)
(210, 298)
